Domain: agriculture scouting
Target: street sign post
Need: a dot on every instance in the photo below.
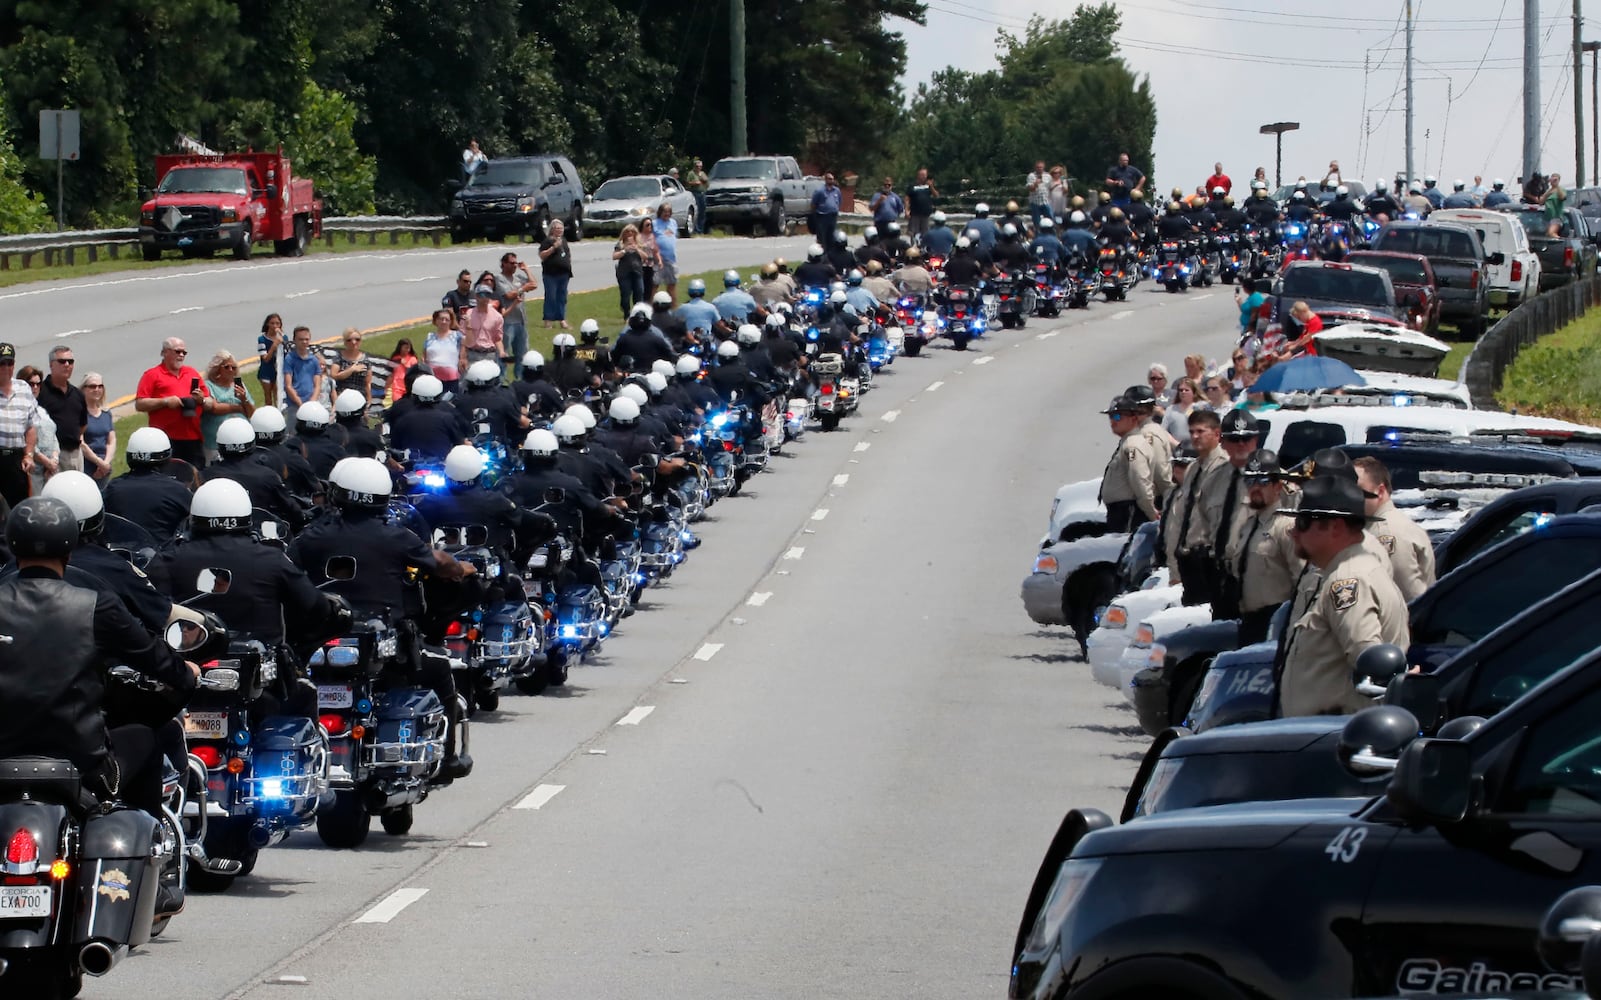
(58, 140)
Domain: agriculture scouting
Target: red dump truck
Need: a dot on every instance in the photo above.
(228, 201)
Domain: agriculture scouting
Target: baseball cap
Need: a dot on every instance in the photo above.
(8, 352)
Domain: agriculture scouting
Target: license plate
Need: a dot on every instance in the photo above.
(334, 696)
(538, 560)
(186, 241)
(206, 725)
(18, 902)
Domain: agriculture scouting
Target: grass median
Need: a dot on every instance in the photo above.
(1559, 375)
(600, 304)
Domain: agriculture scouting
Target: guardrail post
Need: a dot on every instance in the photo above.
(436, 234)
(115, 249)
(394, 237)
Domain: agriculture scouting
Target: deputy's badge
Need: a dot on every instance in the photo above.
(1388, 542)
(114, 884)
(1130, 454)
(1344, 593)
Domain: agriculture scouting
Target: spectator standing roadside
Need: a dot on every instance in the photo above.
(175, 396)
(1156, 378)
(886, 205)
(1039, 193)
(1535, 189)
(19, 429)
(350, 368)
(665, 230)
(404, 359)
(825, 210)
(229, 398)
(1218, 180)
(486, 329)
(696, 182)
(650, 256)
(1122, 179)
(269, 348)
(67, 407)
(556, 265)
(1332, 179)
(471, 159)
(303, 375)
(47, 449)
(1479, 191)
(920, 203)
(512, 285)
(630, 269)
(1556, 198)
(100, 434)
(1057, 193)
(460, 297)
(445, 350)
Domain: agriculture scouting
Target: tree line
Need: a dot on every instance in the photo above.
(375, 101)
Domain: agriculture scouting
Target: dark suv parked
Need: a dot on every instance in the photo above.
(519, 195)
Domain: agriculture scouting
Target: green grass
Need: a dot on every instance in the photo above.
(1560, 375)
(600, 304)
(1452, 365)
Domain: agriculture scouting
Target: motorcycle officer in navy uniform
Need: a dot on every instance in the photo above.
(263, 596)
(816, 271)
(487, 407)
(58, 640)
(641, 343)
(687, 370)
(249, 466)
(539, 397)
(1342, 206)
(940, 238)
(566, 372)
(511, 531)
(384, 556)
(594, 351)
(430, 429)
(323, 443)
(144, 494)
(111, 571)
(350, 413)
(271, 429)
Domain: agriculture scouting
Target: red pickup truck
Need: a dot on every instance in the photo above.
(1412, 277)
(229, 201)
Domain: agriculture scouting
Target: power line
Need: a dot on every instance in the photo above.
(1298, 20)
(1486, 53)
(1236, 11)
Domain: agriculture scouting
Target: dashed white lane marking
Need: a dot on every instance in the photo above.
(1123, 314)
(758, 599)
(795, 553)
(291, 980)
(819, 513)
(708, 651)
(389, 908)
(185, 309)
(1203, 298)
(301, 295)
(411, 281)
(70, 333)
(636, 715)
(540, 796)
(889, 418)
(862, 445)
(984, 360)
(934, 387)
(1046, 336)
(841, 480)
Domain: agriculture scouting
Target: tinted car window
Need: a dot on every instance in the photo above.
(1558, 770)
(1473, 610)
(1427, 241)
(1407, 272)
(1334, 284)
(1506, 674)
(506, 174)
(1304, 437)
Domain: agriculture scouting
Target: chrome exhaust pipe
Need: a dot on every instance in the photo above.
(99, 957)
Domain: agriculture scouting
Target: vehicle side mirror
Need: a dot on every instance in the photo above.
(272, 192)
(1373, 740)
(1567, 930)
(588, 198)
(1433, 782)
(1496, 258)
(1418, 694)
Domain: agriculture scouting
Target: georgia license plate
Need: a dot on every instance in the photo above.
(334, 696)
(19, 902)
(206, 725)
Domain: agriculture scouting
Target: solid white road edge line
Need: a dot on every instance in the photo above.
(389, 908)
(186, 309)
(636, 715)
(540, 796)
(708, 651)
(71, 333)
(758, 599)
(301, 295)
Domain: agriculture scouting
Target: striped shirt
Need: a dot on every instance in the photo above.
(18, 412)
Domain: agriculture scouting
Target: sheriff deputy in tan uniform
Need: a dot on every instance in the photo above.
(1143, 400)
(1197, 508)
(1261, 554)
(1129, 486)
(1357, 604)
(1404, 540)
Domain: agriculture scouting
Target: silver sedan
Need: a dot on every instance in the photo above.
(622, 201)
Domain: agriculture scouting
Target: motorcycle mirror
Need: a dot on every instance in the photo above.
(186, 636)
(555, 494)
(213, 581)
(269, 530)
(340, 568)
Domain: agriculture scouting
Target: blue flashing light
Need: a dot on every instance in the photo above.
(1401, 401)
(434, 481)
(639, 578)
(242, 738)
(603, 628)
(811, 333)
(686, 535)
(272, 788)
(569, 631)
(720, 420)
(1543, 519)
(1392, 435)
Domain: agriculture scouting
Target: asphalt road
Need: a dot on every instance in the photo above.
(115, 323)
(823, 763)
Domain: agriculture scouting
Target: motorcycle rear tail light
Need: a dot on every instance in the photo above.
(207, 755)
(333, 725)
(454, 628)
(827, 389)
(22, 849)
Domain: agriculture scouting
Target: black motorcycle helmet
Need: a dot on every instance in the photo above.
(42, 528)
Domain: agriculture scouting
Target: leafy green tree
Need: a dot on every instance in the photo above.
(21, 211)
(322, 143)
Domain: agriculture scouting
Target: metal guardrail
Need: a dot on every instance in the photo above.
(1546, 313)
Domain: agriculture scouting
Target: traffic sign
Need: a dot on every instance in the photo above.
(58, 134)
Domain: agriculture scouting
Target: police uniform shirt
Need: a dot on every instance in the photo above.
(963, 269)
(1207, 481)
(1357, 606)
(565, 374)
(1409, 548)
(428, 431)
(734, 305)
(539, 396)
(1261, 555)
(266, 590)
(596, 357)
(154, 501)
(323, 451)
(489, 412)
(768, 292)
(1128, 474)
(588, 470)
(881, 288)
(698, 314)
(266, 488)
(362, 442)
(1161, 456)
(474, 506)
(128, 582)
(939, 239)
(382, 553)
(870, 252)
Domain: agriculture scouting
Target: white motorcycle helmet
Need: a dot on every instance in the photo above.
(464, 464)
(662, 368)
(1008, 230)
(268, 422)
(350, 401)
(1342, 191)
(656, 382)
(938, 217)
(814, 252)
(662, 299)
(1458, 184)
(635, 392)
(687, 365)
(148, 446)
(774, 321)
(428, 389)
(836, 299)
(361, 482)
(1046, 222)
(587, 327)
(728, 349)
(235, 436)
(963, 243)
(567, 429)
(566, 339)
(583, 414)
(1078, 218)
(220, 505)
(748, 334)
(78, 491)
(1218, 192)
(981, 209)
(533, 361)
(314, 414)
(870, 233)
(540, 443)
(623, 410)
(483, 373)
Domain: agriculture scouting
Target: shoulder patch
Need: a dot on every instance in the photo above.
(1344, 593)
(1388, 541)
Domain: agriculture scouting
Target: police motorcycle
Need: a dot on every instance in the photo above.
(1177, 265)
(1296, 242)
(1049, 291)
(1234, 256)
(1117, 272)
(79, 876)
(836, 397)
(962, 315)
(1081, 280)
(1015, 298)
(910, 315)
(573, 604)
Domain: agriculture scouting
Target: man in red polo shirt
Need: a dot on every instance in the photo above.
(175, 396)
(1218, 180)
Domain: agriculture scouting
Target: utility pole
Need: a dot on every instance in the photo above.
(1595, 116)
(1578, 95)
(1409, 171)
(1531, 89)
(739, 137)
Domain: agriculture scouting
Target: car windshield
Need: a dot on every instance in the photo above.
(1335, 284)
(505, 174)
(752, 169)
(1402, 270)
(1428, 241)
(628, 189)
(195, 180)
(1536, 224)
